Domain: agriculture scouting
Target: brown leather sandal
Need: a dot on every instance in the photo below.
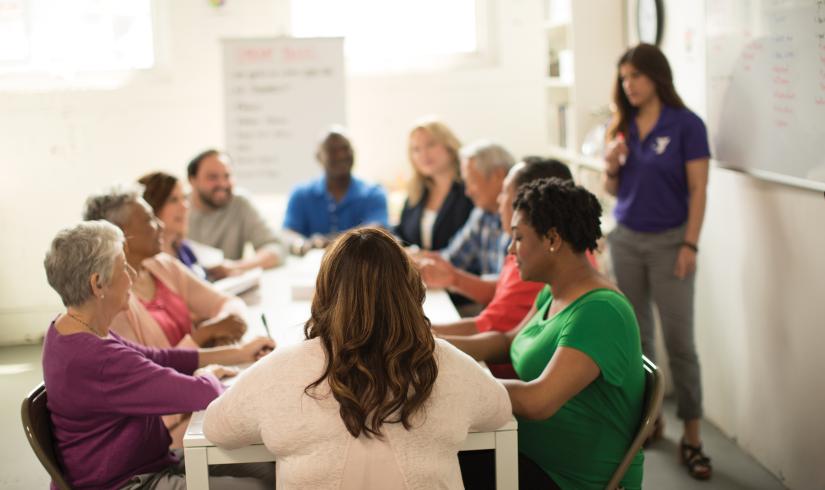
(697, 462)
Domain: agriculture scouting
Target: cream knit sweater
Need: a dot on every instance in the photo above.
(311, 445)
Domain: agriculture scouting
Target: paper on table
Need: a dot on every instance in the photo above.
(208, 257)
(236, 285)
(302, 282)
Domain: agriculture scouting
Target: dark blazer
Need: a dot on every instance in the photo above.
(451, 217)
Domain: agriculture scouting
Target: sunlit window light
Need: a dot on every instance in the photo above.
(64, 39)
(394, 34)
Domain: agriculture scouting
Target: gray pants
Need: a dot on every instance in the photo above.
(250, 476)
(643, 263)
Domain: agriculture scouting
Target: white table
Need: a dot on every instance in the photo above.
(286, 319)
(199, 453)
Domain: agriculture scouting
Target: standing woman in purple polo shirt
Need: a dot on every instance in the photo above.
(657, 167)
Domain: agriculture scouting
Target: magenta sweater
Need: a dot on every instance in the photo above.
(106, 396)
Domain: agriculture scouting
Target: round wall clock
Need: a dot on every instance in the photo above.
(650, 17)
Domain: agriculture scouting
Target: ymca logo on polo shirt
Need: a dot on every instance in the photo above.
(661, 144)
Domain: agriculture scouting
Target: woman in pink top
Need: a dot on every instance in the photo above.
(170, 306)
(370, 400)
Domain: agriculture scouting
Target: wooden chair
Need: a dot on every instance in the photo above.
(652, 406)
(37, 425)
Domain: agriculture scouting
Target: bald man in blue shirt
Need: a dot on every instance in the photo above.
(337, 201)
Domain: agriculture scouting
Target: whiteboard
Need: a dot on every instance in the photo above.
(280, 94)
(766, 88)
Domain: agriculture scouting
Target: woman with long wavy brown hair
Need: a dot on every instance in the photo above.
(369, 399)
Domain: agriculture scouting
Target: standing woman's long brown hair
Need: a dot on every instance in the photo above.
(367, 312)
(651, 62)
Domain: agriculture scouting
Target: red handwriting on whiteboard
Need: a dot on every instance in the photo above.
(293, 54)
(255, 55)
(786, 95)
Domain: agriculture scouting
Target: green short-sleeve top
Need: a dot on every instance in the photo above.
(583, 443)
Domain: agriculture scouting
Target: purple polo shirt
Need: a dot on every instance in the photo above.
(106, 396)
(653, 191)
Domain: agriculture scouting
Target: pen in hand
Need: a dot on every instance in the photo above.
(266, 325)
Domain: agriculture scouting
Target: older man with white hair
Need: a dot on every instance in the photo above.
(480, 246)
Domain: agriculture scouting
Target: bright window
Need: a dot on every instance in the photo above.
(64, 38)
(389, 35)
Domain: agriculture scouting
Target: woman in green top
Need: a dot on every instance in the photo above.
(577, 352)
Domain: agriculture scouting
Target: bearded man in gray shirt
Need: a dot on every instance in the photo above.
(228, 221)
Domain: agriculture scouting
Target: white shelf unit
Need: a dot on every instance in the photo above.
(583, 40)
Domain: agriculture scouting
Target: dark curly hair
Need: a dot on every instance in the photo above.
(572, 210)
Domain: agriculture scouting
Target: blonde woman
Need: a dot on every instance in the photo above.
(370, 399)
(436, 206)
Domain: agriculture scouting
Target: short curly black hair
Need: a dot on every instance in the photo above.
(572, 210)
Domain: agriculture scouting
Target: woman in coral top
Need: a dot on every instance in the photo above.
(169, 306)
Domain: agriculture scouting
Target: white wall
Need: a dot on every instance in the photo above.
(59, 146)
(759, 308)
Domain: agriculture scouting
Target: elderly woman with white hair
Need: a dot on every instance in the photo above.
(106, 394)
(170, 306)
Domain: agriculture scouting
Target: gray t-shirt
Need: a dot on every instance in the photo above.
(231, 227)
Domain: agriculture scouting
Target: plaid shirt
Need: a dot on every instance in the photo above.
(480, 246)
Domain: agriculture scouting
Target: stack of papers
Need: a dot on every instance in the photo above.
(235, 285)
(208, 257)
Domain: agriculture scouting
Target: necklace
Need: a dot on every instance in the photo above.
(78, 320)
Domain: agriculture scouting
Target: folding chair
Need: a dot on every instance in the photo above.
(652, 406)
(37, 425)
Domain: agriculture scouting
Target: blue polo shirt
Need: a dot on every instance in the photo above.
(653, 191)
(312, 209)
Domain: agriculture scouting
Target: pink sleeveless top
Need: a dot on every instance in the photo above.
(170, 312)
